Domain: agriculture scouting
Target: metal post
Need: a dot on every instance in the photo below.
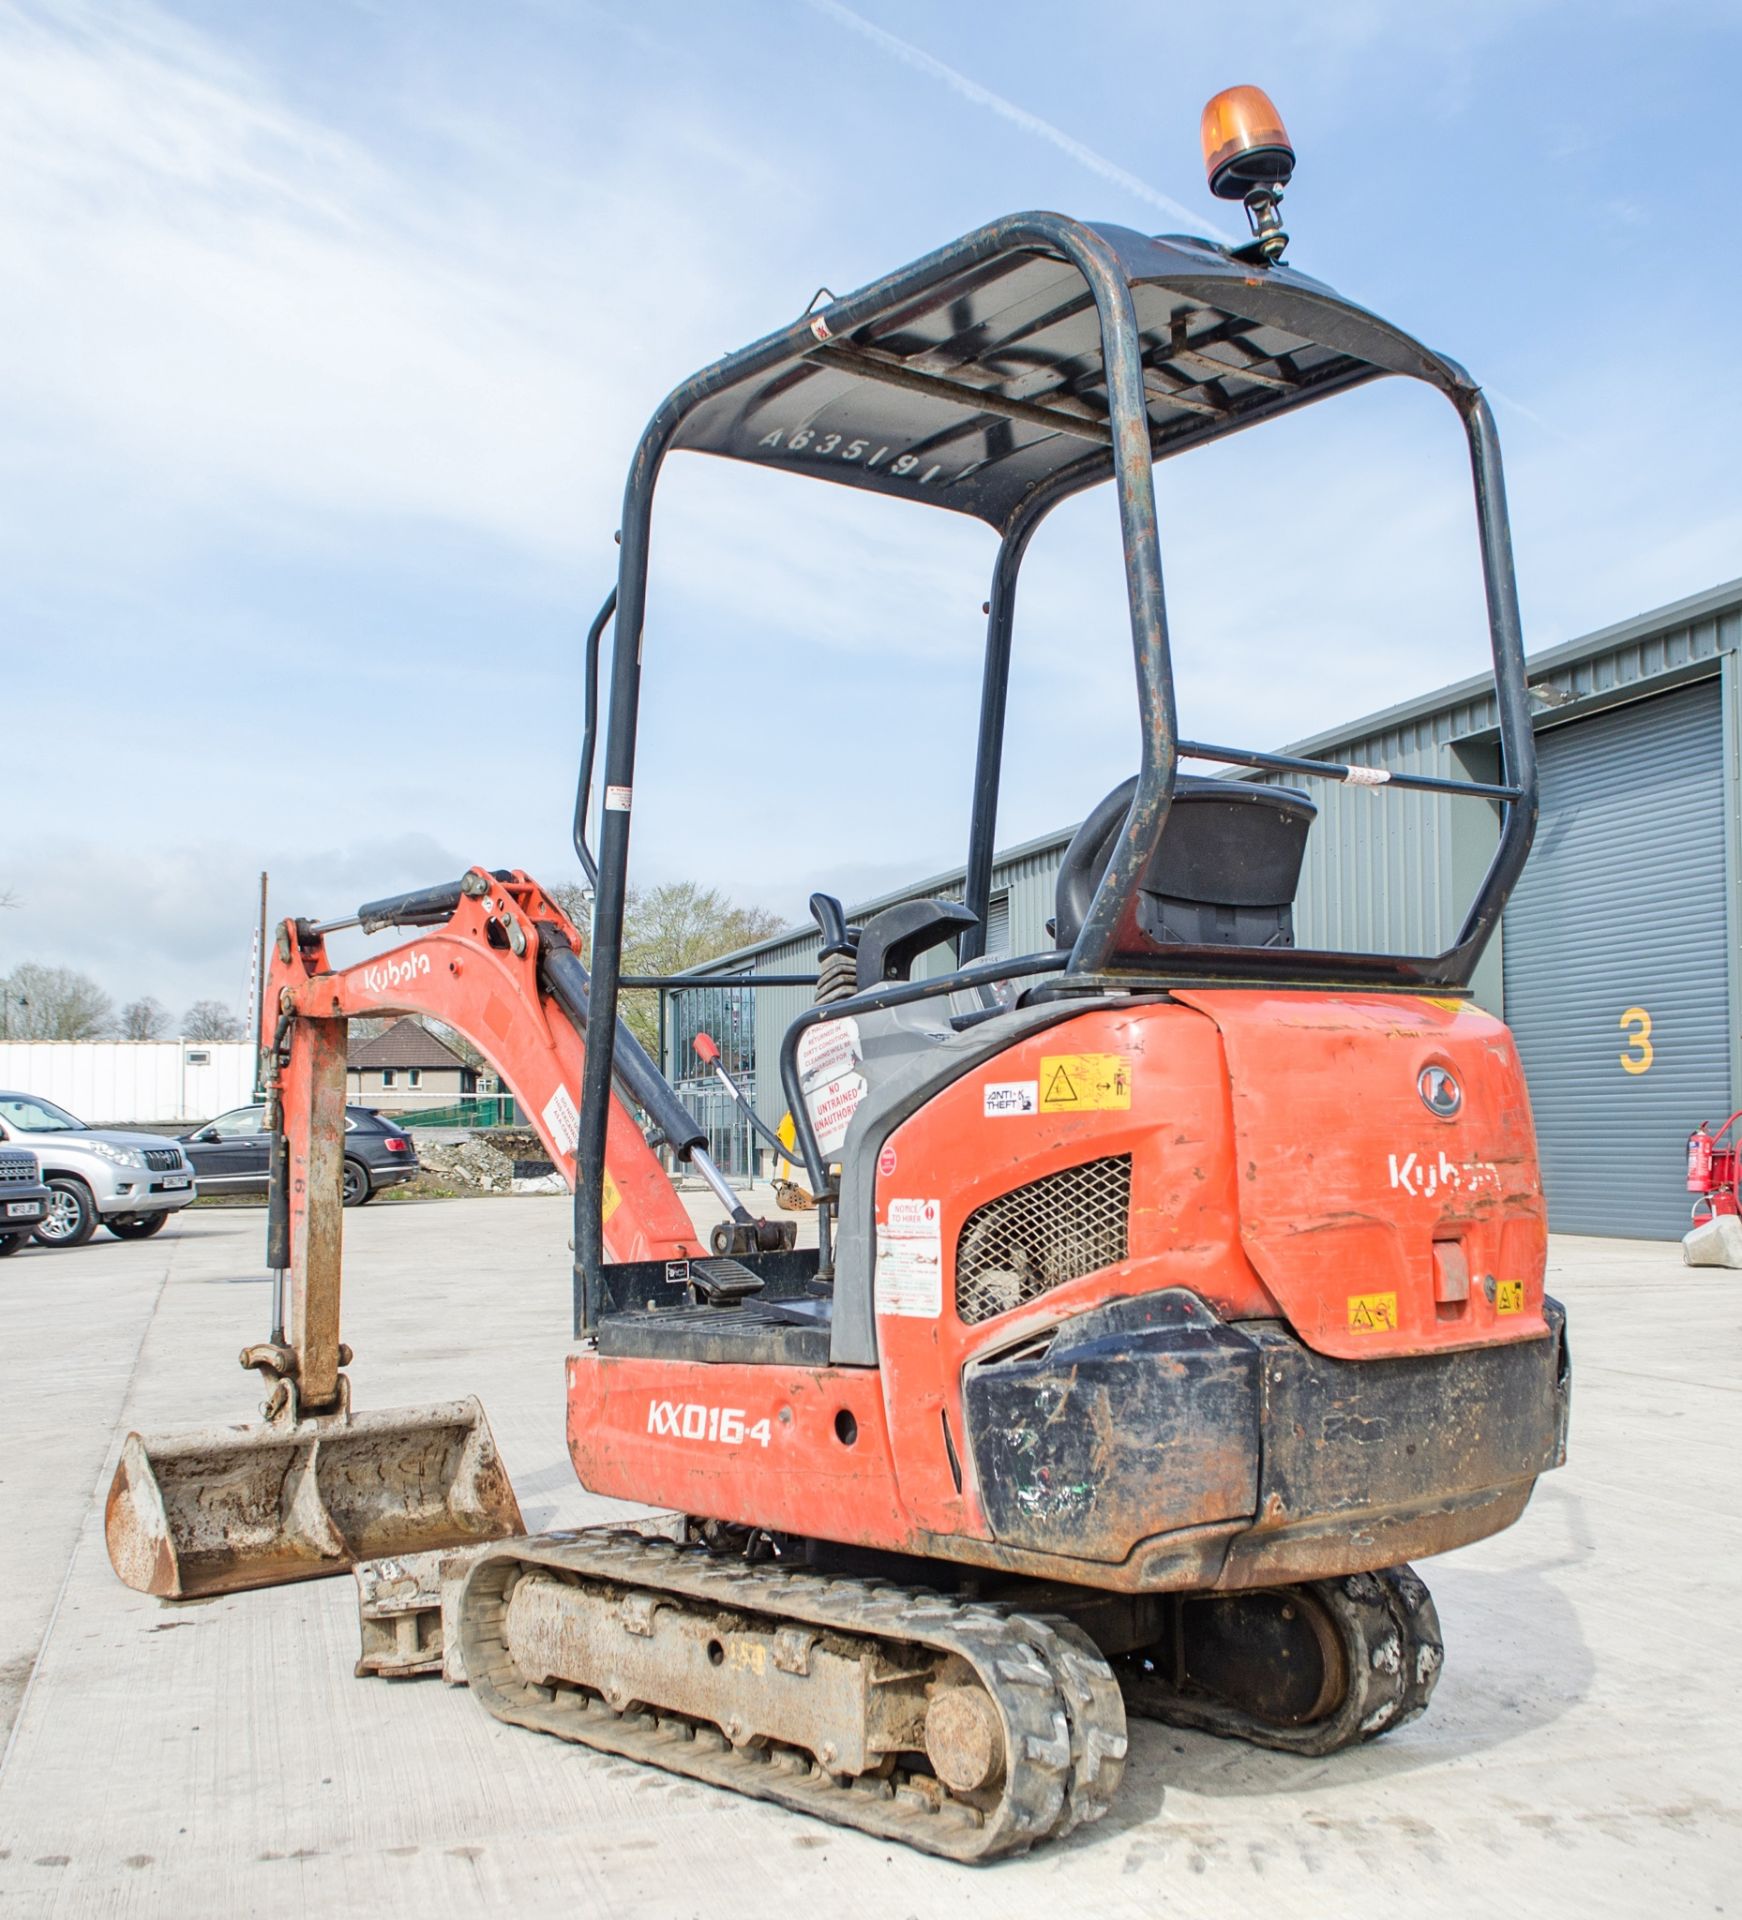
(313, 1095)
(989, 750)
(1511, 695)
(1121, 355)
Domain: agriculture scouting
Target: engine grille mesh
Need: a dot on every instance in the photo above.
(1035, 1238)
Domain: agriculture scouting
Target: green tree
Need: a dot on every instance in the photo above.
(53, 1003)
(211, 1020)
(672, 928)
(144, 1019)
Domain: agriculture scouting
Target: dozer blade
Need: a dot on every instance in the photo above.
(223, 1509)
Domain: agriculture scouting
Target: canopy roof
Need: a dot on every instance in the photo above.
(990, 384)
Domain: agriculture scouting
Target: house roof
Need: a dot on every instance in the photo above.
(407, 1043)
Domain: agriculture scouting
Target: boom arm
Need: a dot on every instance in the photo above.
(503, 968)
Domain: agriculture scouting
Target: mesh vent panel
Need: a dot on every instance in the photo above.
(1025, 1243)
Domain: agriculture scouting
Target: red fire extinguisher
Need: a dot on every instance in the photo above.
(1712, 1170)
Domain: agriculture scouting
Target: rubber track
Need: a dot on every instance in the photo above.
(1418, 1621)
(1062, 1710)
(1391, 1643)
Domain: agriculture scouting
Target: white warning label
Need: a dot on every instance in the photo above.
(832, 1107)
(1011, 1096)
(561, 1121)
(828, 1051)
(910, 1266)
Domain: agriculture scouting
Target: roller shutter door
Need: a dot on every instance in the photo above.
(1614, 960)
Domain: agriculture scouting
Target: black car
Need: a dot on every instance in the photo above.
(230, 1153)
(24, 1200)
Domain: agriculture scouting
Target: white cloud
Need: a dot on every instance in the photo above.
(234, 330)
(260, 314)
(177, 921)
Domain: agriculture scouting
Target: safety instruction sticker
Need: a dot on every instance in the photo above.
(561, 1121)
(612, 1198)
(910, 1264)
(832, 1108)
(1085, 1082)
(1509, 1297)
(1006, 1097)
(827, 1051)
(1373, 1313)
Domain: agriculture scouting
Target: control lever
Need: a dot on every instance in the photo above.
(706, 1050)
(791, 1196)
(837, 958)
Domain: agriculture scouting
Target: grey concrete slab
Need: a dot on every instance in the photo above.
(1582, 1754)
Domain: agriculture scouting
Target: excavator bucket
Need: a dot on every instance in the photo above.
(222, 1509)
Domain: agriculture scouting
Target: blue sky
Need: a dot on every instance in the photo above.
(330, 329)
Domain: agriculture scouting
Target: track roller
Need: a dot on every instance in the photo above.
(957, 1727)
(1306, 1669)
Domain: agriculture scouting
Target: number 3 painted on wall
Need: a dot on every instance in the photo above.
(1637, 1056)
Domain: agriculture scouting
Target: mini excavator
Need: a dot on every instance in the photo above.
(1174, 1287)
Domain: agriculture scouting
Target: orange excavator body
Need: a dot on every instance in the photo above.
(1284, 1170)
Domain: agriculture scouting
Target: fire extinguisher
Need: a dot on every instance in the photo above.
(1714, 1170)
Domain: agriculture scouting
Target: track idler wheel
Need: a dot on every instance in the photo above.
(1306, 1669)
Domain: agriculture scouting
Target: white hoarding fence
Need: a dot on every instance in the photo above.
(102, 1081)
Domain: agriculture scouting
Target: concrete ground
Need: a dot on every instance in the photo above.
(1582, 1755)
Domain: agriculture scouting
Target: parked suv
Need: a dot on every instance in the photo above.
(128, 1182)
(230, 1153)
(23, 1198)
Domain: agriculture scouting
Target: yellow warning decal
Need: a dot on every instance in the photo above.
(612, 1199)
(1085, 1082)
(1509, 1297)
(1372, 1313)
(1445, 1006)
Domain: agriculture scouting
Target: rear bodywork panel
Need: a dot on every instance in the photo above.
(1141, 1323)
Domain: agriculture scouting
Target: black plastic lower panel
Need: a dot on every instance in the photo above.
(1149, 1416)
(1142, 1418)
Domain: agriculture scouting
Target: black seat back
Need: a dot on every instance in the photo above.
(1223, 874)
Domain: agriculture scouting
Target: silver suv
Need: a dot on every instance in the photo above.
(128, 1182)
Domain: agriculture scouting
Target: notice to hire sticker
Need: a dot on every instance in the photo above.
(910, 1267)
(1085, 1082)
(1005, 1097)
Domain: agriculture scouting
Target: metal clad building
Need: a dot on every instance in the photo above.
(1616, 957)
(1619, 965)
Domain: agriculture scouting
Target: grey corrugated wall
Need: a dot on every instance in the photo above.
(1385, 871)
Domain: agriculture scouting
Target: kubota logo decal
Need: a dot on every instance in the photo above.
(395, 972)
(690, 1420)
(1440, 1093)
(1422, 1175)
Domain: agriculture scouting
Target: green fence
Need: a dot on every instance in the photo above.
(486, 1110)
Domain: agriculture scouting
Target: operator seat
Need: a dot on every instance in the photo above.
(1224, 872)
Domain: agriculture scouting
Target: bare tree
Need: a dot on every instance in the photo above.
(671, 928)
(144, 1019)
(53, 1003)
(211, 1020)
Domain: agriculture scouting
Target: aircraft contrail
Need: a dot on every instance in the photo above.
(916, 57)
